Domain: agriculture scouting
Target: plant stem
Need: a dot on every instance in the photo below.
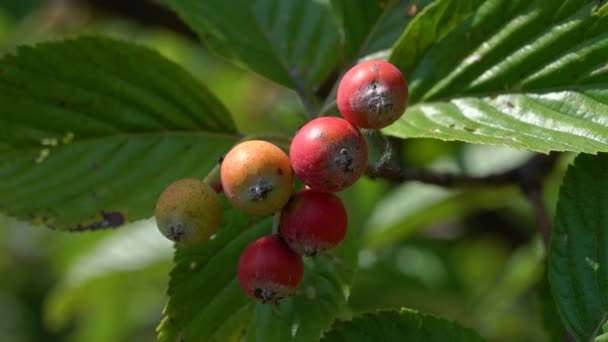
(213, 175)
(276, 221)
(528, 177)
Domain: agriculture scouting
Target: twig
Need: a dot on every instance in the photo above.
(528, 177)
(276, 222)
(542, 217)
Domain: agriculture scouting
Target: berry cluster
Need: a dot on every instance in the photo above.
(328, 154)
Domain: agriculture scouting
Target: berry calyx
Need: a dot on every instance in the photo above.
(328, 154)
(313, 222)
(188, 211)
(257, 177)
(269, 271)
(372, 94)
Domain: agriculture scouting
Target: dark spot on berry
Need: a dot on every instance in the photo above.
(375, 68)
(378, 100)
(260, 190)
(266, 295)
(344, 160)
(279, 171)
(176, 232)
(310, 251)
(220, 160)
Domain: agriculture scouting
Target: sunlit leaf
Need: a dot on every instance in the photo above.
(524, 74)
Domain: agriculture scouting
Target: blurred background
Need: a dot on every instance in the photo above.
(473, 256)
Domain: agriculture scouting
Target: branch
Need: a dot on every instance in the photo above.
(528, 177)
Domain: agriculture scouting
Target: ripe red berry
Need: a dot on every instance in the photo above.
(313, 222)
(269, 271)
(328, 154)
(257, 177)
(372, 94)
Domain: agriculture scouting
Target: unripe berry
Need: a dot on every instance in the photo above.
(328, 154)
(269, 271)
(313, 222)
(372, 94)
(257, 177)
(188, 211)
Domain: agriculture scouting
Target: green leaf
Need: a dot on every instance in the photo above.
(550, 316)
(406, 325)
(293, 43)
(207, 303)
(524, 74)
(578, 258)
(412, 207)
(92, 130)
(372, 25)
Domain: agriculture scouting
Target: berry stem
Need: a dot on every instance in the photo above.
(276, 222)
(213, 176)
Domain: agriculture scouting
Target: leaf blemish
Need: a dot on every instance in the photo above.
(42, 155)
(49, 142)
(594, 264)
(108, 220)
(67, 138)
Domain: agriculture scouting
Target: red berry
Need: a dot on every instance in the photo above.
(328, 154)
(313, 222)
(372, 94)
(269, 271)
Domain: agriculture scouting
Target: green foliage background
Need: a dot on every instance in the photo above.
(107, 124)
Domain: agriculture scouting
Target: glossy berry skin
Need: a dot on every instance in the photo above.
(188, 211)
(257, 177)
(328, 154)
(372, 94)
(313, 222)
(269, 271)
